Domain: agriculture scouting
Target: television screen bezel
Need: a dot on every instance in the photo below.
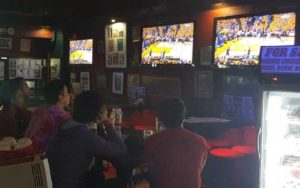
(164, 24)
(92, 52)
(248, 67)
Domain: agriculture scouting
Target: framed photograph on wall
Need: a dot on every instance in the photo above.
(5, 43)
(115, 45)
(133, 80)
(203, 84)
(118, 83)
(25, 45)
(85, 80)
(162, 86)
(55, 68)
(205, 55)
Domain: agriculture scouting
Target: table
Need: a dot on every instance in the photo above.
(208, 127)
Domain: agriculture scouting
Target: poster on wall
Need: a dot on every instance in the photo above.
(203, 84)
(162, 86)
(133, 80)
(5, 43)
(25, 45)
(115, 45)
(27, 68)
(55, 68)
(118, 83)
(85, 80)
(1, 70)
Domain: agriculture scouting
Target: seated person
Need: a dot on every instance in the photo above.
(47, 118)
(175, 156)
(14, 116)
(74, 146)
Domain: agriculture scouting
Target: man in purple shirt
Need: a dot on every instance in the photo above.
(74, 146)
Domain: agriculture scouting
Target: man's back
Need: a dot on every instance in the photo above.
(176, 157)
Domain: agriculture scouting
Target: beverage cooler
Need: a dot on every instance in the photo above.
(279, 143)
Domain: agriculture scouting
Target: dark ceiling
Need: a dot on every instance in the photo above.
(58, 12)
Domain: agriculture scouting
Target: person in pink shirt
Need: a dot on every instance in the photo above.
(46, 119)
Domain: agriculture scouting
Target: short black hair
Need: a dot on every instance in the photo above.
(9, 90)
(87, 106)
(172, 112)
(53, 89)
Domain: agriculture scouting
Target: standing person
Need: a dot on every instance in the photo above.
(47, 118)
(175, 156)
(14, 116)
(74, 146)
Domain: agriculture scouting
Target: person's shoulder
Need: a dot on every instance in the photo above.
(194, 136)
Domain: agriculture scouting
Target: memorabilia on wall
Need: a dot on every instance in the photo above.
(137, 95)
(136, 34)
(101, 82)
(73, 77)
(25, 67)
(25, 45)
(115, 45)
(55, 68)
(118, 83)
(132, 80)
(205, 55)
(1, 70)
(85, 80)
(5, 43)
(203, 84)
(161, 86)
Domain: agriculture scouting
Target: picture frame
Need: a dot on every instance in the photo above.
(203, 84)
(115, 45)
(205, 55)
(162, 86)
(25, 45)
(55, 68)
(118, 83)
(5, 43)
(85, 80)
(133, 80)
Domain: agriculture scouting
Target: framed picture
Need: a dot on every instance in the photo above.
(205, 55)
(161, 86)
(5, 43)
(203, 84)
(55, 68)
(25, 45)
(101, 82)
(1, 70)
(133, 80)
(118, 83)
(85, 80)
(115, 44)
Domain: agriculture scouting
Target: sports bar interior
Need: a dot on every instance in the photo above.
(234, 65)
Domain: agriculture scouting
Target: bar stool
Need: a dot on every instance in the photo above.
(223, 168)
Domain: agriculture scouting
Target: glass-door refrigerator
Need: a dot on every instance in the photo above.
(280, 140)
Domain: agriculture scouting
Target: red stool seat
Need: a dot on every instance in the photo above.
(244, 149)
(225, 152)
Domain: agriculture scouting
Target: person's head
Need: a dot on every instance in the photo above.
(172, 112)
(87, 106)
(12, 95)
(56, 92)
(21, 83)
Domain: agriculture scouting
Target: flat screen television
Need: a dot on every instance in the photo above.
(168, 44)
(81, 52)
(280, 60)
(237, 39)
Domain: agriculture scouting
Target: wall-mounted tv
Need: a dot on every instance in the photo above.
(237, 39)
(280, 59)
(81, 52)
(168, 44)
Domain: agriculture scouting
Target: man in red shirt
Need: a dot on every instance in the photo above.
(176, 156)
